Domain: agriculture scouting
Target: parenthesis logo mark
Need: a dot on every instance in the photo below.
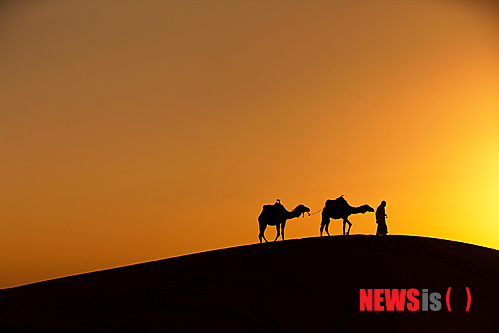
(469, 299)
(447, 299)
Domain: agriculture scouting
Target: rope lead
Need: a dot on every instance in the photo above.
(316, 212)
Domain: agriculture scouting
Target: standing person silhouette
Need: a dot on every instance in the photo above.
(380, 220)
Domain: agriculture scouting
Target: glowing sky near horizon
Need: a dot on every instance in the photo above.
(133, 131)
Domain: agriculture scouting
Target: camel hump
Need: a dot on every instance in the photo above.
(273, 209)
(337, 208)
(268, 208)
(338, 202)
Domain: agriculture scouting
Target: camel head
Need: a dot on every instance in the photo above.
(302, 209)
(366, 208)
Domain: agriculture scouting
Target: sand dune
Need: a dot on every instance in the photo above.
(303, 285)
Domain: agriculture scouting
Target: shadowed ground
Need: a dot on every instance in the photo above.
(304, 285)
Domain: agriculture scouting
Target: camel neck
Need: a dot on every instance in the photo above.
(294, 213)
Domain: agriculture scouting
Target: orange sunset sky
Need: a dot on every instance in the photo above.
(133, 131)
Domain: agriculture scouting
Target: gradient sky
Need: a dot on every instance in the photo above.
(133, 131)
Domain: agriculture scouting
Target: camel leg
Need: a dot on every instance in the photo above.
(262, 236)
(278, 232)
(325, 223)
(326, 229)
(262, 231)
(282, 229)
(345, 221)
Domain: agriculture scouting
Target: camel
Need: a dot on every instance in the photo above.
(340, 209)
(277, 215)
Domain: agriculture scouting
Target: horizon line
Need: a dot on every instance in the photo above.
(231, 247)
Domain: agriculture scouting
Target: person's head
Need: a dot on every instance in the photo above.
(383, 203)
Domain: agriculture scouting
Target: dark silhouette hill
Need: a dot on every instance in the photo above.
(301, 285)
